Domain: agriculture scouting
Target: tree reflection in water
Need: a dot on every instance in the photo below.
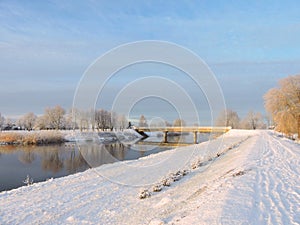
(51, 161)
(57, 158)
(71, 159)
(44, 162)
(52, 158)
(27, 157)
(75, 161)
(99, 154)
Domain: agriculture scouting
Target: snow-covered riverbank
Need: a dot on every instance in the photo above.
(44, 137)
(245, 177)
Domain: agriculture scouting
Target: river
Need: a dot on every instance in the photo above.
(52, 161)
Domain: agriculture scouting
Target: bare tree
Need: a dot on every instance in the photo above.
(40, 123)
(228, 118)
(122, 122)
(2, 119)
(27, 121)
(143, 121)
(105, 119)
(100, 119)
(179, 123)
(112, 120)
(55, 117)
(81, 118)
(69, 122)
(253, 120)
(283, 103)
(8, 123)
(92, 119)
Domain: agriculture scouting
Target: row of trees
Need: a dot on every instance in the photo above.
(230, 118)
(253, 120)
(99, 120)
(57, 118)
(283, 104)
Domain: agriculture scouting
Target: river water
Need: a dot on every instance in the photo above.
(53, 161)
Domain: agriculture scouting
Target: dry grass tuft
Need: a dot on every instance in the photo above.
(31, 138)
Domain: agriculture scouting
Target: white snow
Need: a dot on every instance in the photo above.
(244, 177)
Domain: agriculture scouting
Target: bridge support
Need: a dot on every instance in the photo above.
(165, 136)
(195, 137)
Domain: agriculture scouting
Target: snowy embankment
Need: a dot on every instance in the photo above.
(126, 135)
(246, 177)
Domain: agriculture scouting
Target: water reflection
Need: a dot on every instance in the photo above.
(44, 162)
(40, 162)
(52, 161)
(74, 162)
(99, 154)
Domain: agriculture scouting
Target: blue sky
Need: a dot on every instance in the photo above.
(45, 46)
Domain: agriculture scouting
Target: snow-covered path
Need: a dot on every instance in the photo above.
(252, 178)
(266, 191)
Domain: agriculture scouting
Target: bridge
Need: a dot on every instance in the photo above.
(194, 130)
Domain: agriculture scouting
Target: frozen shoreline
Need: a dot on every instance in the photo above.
(246, 177)
(45, 137)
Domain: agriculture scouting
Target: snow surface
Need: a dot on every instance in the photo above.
(243, 177)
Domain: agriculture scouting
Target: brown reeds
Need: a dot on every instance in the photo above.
(31, 137)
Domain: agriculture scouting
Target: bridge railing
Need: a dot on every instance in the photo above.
(184, 129)
(195, 130)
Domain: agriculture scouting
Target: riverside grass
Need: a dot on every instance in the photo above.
(31, 137)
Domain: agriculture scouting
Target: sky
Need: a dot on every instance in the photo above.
(46, 46)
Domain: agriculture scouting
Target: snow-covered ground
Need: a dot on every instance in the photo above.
(127, 135)
(244, 177)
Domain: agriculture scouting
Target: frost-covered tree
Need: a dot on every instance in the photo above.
(8, 123)
(100, 119)
(253, 121)
(2, 119)
(69, 122)
(105, 119)
(40, 123)
(112, 120)
(122, 122)
(228, 118)
(55, 117)
(179, 123)
(283, 103)
(81, 118)
(143, 121)
(27, 121)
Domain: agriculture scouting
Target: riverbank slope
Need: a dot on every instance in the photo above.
(247, 177)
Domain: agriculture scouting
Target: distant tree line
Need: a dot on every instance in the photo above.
(228, 118)
(252, 121)
(100, 120)
(57, 118)
(282, 103)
